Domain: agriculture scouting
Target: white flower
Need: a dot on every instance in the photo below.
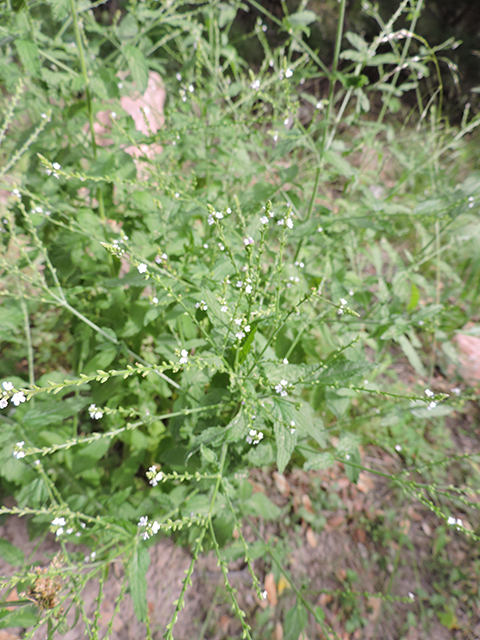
(288, 73)
(292, 423)
(411, 596)
(285, 361)
(218, 215)
(178, 76)
(239, 335)
(3, 403)
(280, 388)
(56, 166)
(43, 115)
(246, 328)
(239, 284)
(264, 595)
(142, 268)
(59, 531)
(201, 305)
(431, 406)
(238, 321)
(224, 308)
(155, 527)
(398, 447)
(264, 220)
(59, 522)
(255, 85)
(184, 358)
(451, 520)
(205, 246)
(113, 115)
(8, 386)
(95, 412)
(155, 300)
(456, 390)
(17, 398)
(320, 229)
(229, 211)
(158, 478)
(16, 193)
(18, 453)
(191, 88)
(248, 241)
(429, 393)
(343, 302)
(143, 521)
(177, 195)
(248, 288)
(210, 220)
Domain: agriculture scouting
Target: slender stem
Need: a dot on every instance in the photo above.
(28, 334)
(83, 68)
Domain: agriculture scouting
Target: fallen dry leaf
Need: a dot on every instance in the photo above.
(311, 538)
(426, 529)
(271, 589)
(335, 521)
(283, 584)
(281, 483)
(278, 631)
(375, 605)
(307, 503)
(365, 482)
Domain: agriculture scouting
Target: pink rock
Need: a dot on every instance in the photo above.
(469, 358)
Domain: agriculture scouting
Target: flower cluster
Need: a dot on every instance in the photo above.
(16, 399)
(55, 167)
(248, 241)
(457, 522)
(292, 427)
(142, 268)
(151, 528)
(202, 305)
(154, 476)
(162, 257)
(281, 388)
(287, 221)
(215, 215)
(343, 304)
(243, 328)
(430, 395)
(19, 452)
(95, 412)
(183, 356)
(254, 436)
(60, 523)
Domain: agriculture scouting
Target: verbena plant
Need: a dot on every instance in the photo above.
(205, 309)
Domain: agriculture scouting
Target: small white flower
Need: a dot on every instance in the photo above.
(120, 85)
(429, 393)
(343, 302)
(178, 77)
(239, 284)
(143, 521)
(8, 386)
(155, 527)
(158, 478)
(411, 595)
(292, 431)
(286, 121)
(177, 195)
(16, 193)
(3, 403)
(201, 305)
(319, 105)
(246, 328)
(347, 456)
(289, 223)
(155, 300)
(264, 595)
(264, 220)
(184, 358)
(59, 531)
(451, 520)
(218, 215)
(69, 531)
(264, 28)
(142, 268)
(229, 211)
(248, 288)
(113, 115)
(56, 166)
(288, 73)
(431, 406)
(398, 447)
(59, 522)
(292, 423)
(281, 222)
(285, 361)
(210, 220)
(248, 241)
(456, 390)
(239, 335)
(320, 229)
(43, 115)
(224, 308)
(17, 398)
(255, 85)
(238, 321)
(205, 246)
(191, 88)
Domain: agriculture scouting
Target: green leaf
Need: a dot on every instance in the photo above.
(414, 297)
(320, 461)
(248, 341)
(237, 428)
(17, 5)
(259, 505)
(286, 441)
(295, 621)
(138, 582)
(23, 617)
(138, 66)
(29, 56)
(413, 357)
(302, 18)
(13, 555)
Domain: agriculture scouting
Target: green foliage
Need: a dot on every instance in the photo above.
(192, 294)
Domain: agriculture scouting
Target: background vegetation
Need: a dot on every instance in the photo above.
(258, 276)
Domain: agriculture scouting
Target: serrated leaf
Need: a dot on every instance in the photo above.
(320, 461)
(29, 56)
(286, 441)
(137, 570)
(295, 621)
(13, 555)
(413, 357)
(237, 428)
(138, 66)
